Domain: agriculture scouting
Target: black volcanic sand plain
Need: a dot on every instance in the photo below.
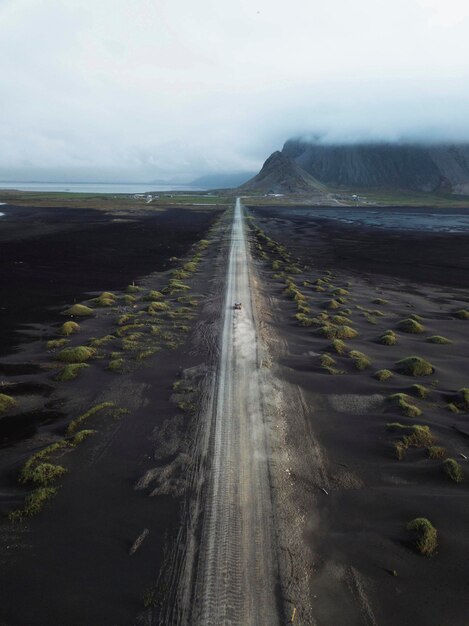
(360, 526)
(93, 554)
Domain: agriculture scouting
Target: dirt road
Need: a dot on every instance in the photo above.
(237, 572)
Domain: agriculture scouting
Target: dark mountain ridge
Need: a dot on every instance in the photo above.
(417, 167)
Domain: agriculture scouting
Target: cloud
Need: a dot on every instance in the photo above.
(138, 89)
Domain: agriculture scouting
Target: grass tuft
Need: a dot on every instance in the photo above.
(462, 314)
(338, 332)
(453, 470)
(424, 536)
(69, 328)
(34, 503)
(7, 403)
(389, 338)
(420, 391)
(439, 339)
(79, 310)
(339, 346)
(105, 299)
(360, 360)
(70, 372)
(383, 375)
(415, 366)
(436, 452)
(410, 325)
(79, 354)
(53, 344)
(74, 424)
(401, 400)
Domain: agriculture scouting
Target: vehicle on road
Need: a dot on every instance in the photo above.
(238, 306)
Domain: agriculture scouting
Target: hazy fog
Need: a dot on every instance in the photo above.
(148, 89)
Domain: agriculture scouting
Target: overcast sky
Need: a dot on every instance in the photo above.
(146, 89)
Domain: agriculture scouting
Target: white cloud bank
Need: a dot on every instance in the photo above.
(142, 89)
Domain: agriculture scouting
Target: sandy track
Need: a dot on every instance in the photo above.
(237, 573)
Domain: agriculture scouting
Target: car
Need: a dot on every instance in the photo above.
(238, 306)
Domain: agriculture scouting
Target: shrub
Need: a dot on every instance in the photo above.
(410, 325)
(179, 274)
(401, 400)
(452, 407)
(462, 314)
(360, 360)
(453, 470)
(420, 391)
(319, 288)
(338, 332)
(79, 310)
(56, 343)
(380, 301)
(74, 424)
(70, 372)
(383, 375)
(415, 366)
(190, 266)
(439, 339)
(129, 299)
(436, 452)
(69, 328)
(389, 338)
(7, 403)
(79, 354)
(424, 536)
(301, 307)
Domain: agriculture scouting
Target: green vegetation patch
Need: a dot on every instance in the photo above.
(380, 301)
(7, 403)
(338, 332)
(453, 470)
(360, 360)
(389, 338)
(462, 314)
(105, 299)
(157, 307)
(154, 296)
(53, 344)
(383, 375)
(339, 346)
(401, 401)
(133, 288)
(79, 310)
(424, 536)
(410, 325)
(116, 365)
(34, 503)
(76, 423)
(45, 473)
(436, 452)
(80, 437)
(415, 366)
(70, 372)
(439, 339)
(97, 342)
(79, 354)
(420, 391)
(69, 328)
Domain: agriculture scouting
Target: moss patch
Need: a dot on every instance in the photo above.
(79, 354)
(69, 328)
(383, 375)
(410, 325)
(70, 372)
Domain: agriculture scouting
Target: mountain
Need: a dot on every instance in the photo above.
(417, 167)
(281, 174)
(222, 181)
